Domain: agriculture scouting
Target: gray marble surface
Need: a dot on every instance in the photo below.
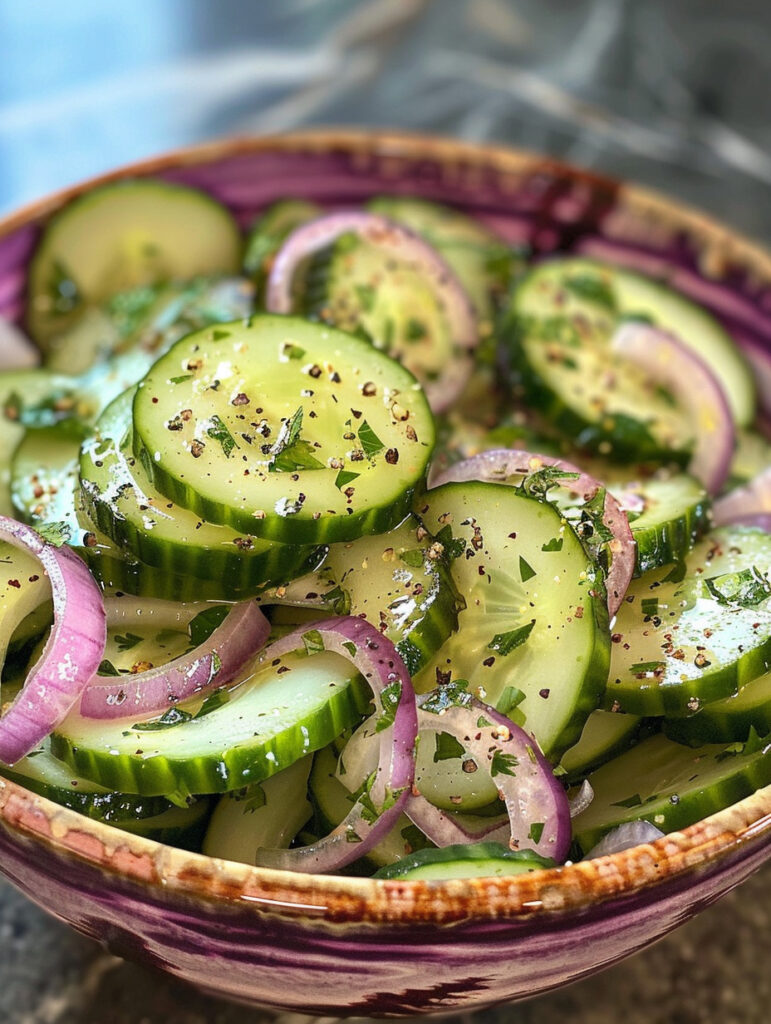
(672, 93)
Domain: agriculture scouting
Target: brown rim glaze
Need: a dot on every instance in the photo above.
(698, 848)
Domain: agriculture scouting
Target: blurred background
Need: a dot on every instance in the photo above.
(669, 92)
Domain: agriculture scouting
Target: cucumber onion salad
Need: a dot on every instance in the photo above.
(369, 546)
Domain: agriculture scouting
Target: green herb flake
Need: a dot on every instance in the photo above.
(292, 351)
(369, 440)
(57, 534)
(448, 748)
(390, 696)
(366, 295)
(541, 481)
(592, 289)
(649, 606)
(213, 701)
(482, 723)
(344, 477)
(744, 589)
(106, 668)
(350, 646)
(170, 718)
(414, 557)
(526, 571)
(414, 838)
(217, 431)
(505, 643)
(503, 764)
(536, 831)
(290, 453)
(555, 544)
(218, 335)
(510, 698)
(313, 642)
(339, 600)
(453, 546)
(643, 668)
(127, 641)
(448, 695)
(415, 330)
(203, 625)
(181, 379)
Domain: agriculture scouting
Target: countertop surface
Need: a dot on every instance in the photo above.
(672, 93)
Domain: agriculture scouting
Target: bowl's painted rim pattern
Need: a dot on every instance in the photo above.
(699, 848)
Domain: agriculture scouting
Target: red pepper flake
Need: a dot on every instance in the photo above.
(543, 693)
(241, 399)
(14, 583)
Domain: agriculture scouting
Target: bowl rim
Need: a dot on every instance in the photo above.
(700, 847)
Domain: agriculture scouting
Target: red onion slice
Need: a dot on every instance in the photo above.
(748, 505)
(16, 350)
(624, 837)
(72, 654)
(378, 661)
(444, 829)
(536, 803)
(215, 663)
(501, 463)
(397, 241)
(667, 360)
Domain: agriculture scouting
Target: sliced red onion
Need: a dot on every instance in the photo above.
(445, 829)
(379, 662)
(667, 360)
(72, 654)
(498, 465)
(749, 505)
(536, 803)
(395, 240)
(582, 799)
(16, 350)
(215, 663)
(624, 837)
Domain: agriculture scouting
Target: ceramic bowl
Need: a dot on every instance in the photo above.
(346, 946)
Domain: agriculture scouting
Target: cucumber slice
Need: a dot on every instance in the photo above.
(669, 785)
(475, 860)
(152, 318)
(268, 233)
(285, 430)
(605, 735)
(122, 236)
(24, 588)
(729, 720)
(677, 511)
(533, 639)
(399, 580)
(356, 286)
(183, 827)
(562, 318)
(695, 632)
(484, 263)
(272, 718)
(122, 501)
(332, 801)
(751, 456)
(42, 773)
(267, 814)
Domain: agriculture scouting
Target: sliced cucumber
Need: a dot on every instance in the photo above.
(677, 511)
(695, 632)
(484, 263)
(272, 718)
(751, 456)
(268, 233)
(122, 501)
(400, 581)
(561, 322)
(533, 638)
(393, 302)
(729, 720)
(669, 785)
(284, 429)
(475, 860)
(45, 775)
(24, 588)
(267, 814)
(151, 318)
(122, 236)
(183, 827)
(605, 735)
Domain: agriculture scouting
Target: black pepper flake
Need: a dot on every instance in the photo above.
(196, 449)
(392, 456)
(240, 399)
(368, 389)
(315, 371)
(543, 693)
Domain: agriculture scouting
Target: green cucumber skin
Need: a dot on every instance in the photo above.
(672, 540)
(727, 721)
(750, 773)
(589, 754)
(528, 385)
(184, 828)
(239, 571)
(474, 860)
(675, 699)
(302, 527)
(232, 769)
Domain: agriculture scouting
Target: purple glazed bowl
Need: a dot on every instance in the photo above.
(345, 946)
